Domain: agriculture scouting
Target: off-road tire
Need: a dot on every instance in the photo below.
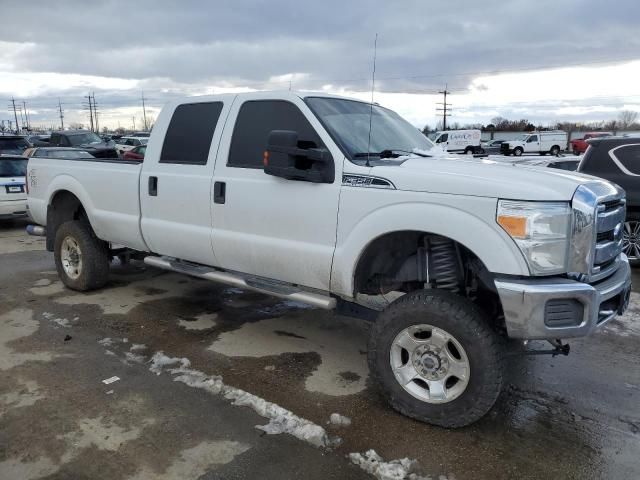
(467, 323)
(95, 256)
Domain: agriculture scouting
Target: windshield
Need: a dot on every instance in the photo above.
(143, 141)
(523, 138)
(348, 123)
(13, 145)
(14, 167)
(84, 138)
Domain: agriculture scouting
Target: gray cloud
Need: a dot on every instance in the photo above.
(422, 45)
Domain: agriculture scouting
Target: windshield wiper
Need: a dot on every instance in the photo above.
(388, 153)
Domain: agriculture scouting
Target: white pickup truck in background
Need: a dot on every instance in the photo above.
(552, 142)
(330, 201)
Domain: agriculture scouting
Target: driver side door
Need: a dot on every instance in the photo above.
(266, 225)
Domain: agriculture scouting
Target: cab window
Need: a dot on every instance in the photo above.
(532, 138)
(256, 119)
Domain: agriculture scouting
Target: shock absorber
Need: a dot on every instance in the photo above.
(443, 263)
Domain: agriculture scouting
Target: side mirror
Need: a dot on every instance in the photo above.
(287, 157)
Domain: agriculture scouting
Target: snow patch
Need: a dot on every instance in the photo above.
(281, 420)
(339, 420)
(137, 346)
(160, 360)
(375, 465)
(133, 357)
(106, 342)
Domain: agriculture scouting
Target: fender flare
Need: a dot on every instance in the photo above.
(489, 243)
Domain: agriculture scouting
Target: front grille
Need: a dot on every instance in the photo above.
(609, 228)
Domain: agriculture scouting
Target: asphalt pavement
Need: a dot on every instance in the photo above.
(159, 375)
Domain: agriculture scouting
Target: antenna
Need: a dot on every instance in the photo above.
(373, 86)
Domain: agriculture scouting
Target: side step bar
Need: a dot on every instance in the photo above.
(280, 290)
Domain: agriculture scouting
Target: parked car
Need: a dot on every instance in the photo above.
(136, 154)
(459, 141)
(85, 140)
(617, 159)
(13, 197)
(295, 195)
(57, 152)
(124, 144)
(492, 147)
(579, 145)
(141, 134)
(552, 142)
(38, 140)
(13, 144)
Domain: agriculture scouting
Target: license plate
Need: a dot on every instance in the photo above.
(14, 188)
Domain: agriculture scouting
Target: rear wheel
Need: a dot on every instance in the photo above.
(631, 239)
(82, 259)
(555, 150)
(436, 359)
(576, 152)
(468, 151)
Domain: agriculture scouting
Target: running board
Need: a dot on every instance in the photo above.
(273, 288)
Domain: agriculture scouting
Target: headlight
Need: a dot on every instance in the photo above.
(541, 231)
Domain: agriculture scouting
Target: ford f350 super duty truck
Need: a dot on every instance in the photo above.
(332, 201)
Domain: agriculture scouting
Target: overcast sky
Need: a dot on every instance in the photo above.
(544, 60)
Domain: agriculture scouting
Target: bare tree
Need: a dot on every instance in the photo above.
(626, 118)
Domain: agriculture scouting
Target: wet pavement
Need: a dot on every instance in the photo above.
(561, 417)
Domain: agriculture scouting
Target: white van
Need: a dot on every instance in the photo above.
(463, 141)
(552, 142)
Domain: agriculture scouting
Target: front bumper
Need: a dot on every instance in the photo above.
(550, 308)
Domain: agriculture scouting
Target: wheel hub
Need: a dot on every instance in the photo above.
(430, 363)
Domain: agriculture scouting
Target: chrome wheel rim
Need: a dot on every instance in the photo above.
(631, 239)
(71, 257)
(517, 152)
(430, 364)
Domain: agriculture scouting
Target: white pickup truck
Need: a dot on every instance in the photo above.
(332, 202)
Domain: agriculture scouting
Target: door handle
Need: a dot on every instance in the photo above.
(153, 186)
(219, 192)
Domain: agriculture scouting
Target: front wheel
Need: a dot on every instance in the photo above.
(82, 259)
(517, 151)
(436, 359)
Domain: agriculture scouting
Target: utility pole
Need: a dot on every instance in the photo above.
(134, 122)
(88, 97)
(445, 109)
(15, 113)
(95, 112)
(144, 114)
(61, 114)
(26, 115)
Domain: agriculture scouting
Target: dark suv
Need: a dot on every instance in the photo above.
(84, 140)
(13, 144)
(617, 159)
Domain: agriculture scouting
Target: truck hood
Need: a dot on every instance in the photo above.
(482, 178)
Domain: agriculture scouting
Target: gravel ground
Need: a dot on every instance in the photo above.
(573, 417)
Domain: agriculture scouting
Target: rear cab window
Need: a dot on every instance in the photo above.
(190, 132)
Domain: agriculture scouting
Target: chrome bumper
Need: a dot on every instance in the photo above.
(526, 303)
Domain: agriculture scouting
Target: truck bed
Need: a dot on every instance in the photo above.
(108, 189)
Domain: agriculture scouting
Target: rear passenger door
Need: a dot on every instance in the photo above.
(265, 225)
(175, 184)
